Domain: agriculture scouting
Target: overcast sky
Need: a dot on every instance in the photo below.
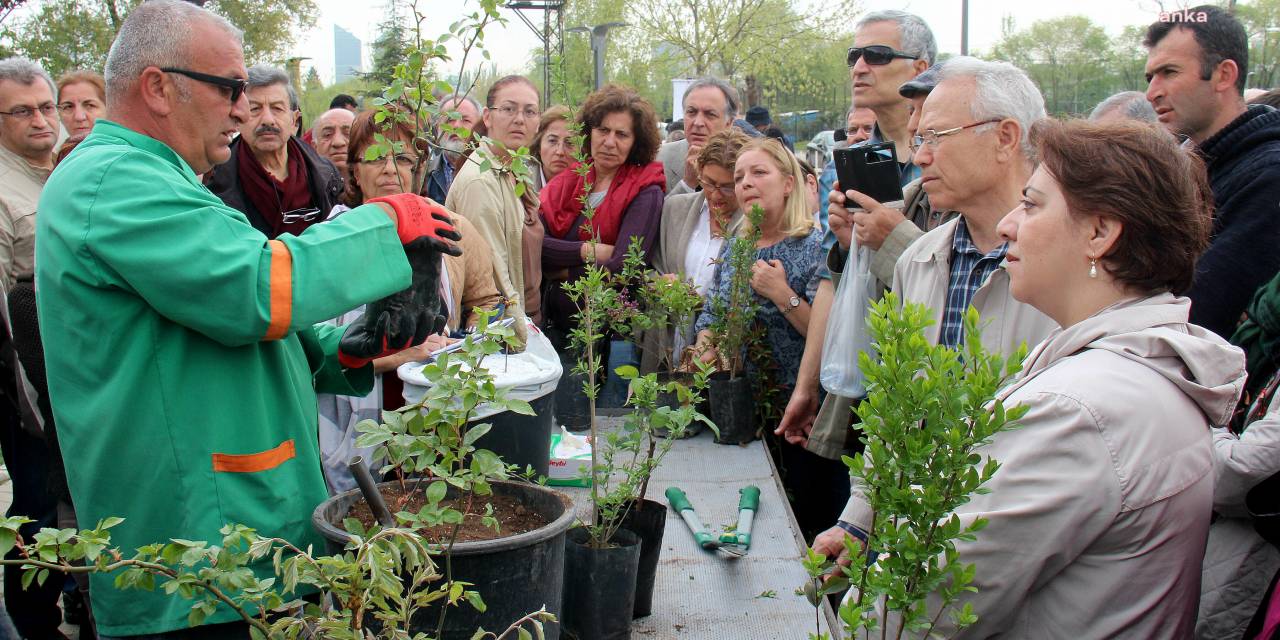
(510, 44)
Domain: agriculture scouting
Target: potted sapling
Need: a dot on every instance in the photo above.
(505, 539)
(733, 316)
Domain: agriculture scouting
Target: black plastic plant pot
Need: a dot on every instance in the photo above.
(600, 597)
(647, 519)
(572, 407)
(515, 575)
(522, 440)
(672, 400)
(732, 408)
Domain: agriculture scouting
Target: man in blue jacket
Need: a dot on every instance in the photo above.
(1196, 68)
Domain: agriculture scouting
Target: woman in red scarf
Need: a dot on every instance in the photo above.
(626, 190)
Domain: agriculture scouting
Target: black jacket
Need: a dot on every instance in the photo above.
(1243, 160)
(326, 185)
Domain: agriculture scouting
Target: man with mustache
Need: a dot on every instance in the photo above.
(281, 184)
(710, 105)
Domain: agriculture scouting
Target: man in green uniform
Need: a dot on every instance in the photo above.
(182, 347)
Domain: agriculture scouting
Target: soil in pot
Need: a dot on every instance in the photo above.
(600, 599)
(732, 408)
(647, 519)
(513, 517)
(514, 573)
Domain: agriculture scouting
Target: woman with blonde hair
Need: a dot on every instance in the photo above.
(788, 255)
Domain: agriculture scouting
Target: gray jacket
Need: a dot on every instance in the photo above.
(672, 155)
(1098, 514)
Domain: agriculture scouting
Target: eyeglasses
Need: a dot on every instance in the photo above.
(509, 112)
(877, 54)
(402, 160)
(236, 85)
(26, 113)
(306, 214)
(931, 137)
(68, 107)
(725, 190)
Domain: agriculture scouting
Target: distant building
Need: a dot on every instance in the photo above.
(346, 55)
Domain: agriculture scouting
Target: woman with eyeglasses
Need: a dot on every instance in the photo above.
(625, 191)
(487, 197)
(552, 145)
(1096, 519)
(466, 283)
(694, 228)
(82, 99)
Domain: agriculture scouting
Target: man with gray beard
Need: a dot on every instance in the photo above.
(446, 162)
(280, 183)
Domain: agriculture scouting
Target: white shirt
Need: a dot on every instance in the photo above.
(703, 249)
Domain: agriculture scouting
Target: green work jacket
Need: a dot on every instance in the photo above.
(184, 355)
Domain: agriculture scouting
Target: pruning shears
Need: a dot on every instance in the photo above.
(736, 542)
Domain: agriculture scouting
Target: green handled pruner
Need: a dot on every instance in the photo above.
(734, 544)
(748, 505)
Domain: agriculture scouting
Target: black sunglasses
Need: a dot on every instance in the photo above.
(877, 54)
(236, 85)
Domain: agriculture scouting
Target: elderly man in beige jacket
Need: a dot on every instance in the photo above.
(974, 156)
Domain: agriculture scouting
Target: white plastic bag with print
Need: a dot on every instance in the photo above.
(847, 328)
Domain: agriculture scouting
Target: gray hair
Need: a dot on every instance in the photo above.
(264, 75)
(1132, 105)
(455, 100)
(915, 35)
(24, 72)
(156, 34)
(1001, 90)
(730, 94)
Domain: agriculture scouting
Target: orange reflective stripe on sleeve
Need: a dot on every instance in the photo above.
(254, 462)
(281, 290)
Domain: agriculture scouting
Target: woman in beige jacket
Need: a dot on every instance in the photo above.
(487, 195)
(1099, 511)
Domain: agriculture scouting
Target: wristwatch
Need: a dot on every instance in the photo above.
(792, 304)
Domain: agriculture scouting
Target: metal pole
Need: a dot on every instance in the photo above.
(964, 27)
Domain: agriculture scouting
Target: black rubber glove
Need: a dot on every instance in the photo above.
(400, 320)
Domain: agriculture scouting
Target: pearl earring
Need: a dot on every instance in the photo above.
(1093, 268)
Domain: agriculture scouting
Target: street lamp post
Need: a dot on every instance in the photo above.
(599, 36)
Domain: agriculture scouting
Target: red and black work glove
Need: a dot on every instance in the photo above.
(417, 217)
(405, 319)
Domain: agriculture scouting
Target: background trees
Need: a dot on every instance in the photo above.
(76, 34)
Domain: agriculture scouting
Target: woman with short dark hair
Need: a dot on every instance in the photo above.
(625, 190)
(1098, 514)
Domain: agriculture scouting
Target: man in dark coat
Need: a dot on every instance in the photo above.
(1196, 68)
(280, 183)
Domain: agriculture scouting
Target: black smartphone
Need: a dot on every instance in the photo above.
(871, 169)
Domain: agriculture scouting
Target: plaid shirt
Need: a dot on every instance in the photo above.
(969, 269)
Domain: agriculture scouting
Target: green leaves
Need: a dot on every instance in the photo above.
(928, 412)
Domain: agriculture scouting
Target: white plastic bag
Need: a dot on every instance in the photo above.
(847, 328)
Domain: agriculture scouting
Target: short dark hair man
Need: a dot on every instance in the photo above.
(279, 183)
(344, 101)
(1196, 73)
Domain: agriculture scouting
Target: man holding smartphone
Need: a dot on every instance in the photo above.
(891, 49)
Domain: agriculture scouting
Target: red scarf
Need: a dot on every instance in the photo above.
(270, 196)
(562, 200)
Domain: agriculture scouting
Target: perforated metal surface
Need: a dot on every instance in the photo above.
(703, 594)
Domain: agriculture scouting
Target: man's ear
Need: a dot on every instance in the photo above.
(158, 91)
(1225, 76)
(919, 66)
(1008, 138)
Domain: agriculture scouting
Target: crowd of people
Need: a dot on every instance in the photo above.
(217, 297)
